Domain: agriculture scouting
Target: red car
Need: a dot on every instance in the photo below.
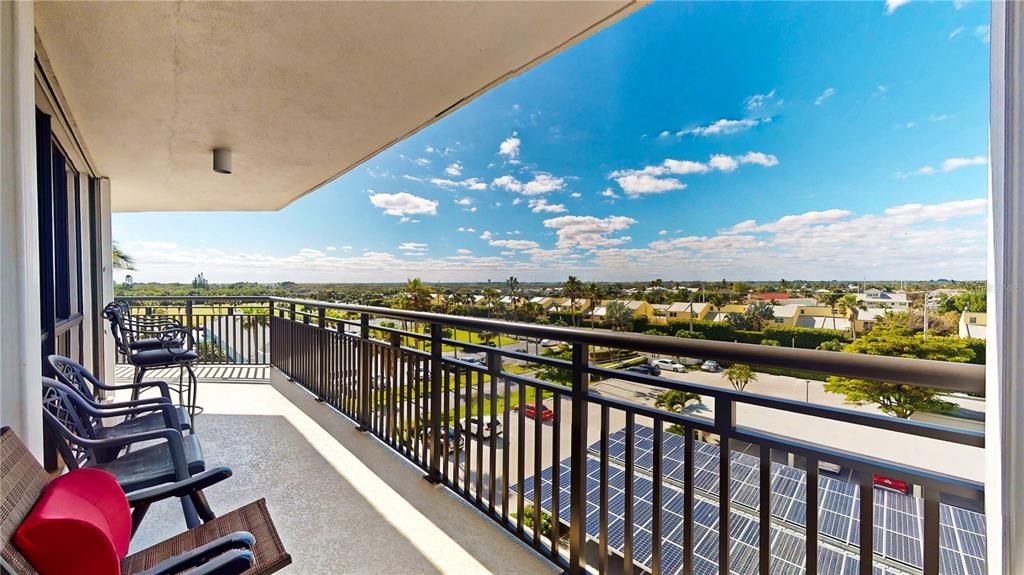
(531, 411)
(890, 483)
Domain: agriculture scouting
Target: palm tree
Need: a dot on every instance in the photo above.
(675, 401)
(513, 290)
(593, 294)
(740, 375)
(849, 305)
(490, 297)
(830, 299)
(120, 259)
(572, 289)
(693, 296)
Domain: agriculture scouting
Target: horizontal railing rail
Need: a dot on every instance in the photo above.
(587, 477)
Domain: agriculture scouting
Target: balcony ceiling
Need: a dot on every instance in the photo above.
(300, 92)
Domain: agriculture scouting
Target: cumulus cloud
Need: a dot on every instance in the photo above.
(421, 162)
(541, 205)
(609, 193)
(510, 148)
(947, 165)
(983, 33)
(412, 247)
(723, 127)
(576, 195)
(589, 232)
(636, 185)
(404, 204)
(515, 244)
(651, 180)
(828, 93)
(542, 183)
(463, 252)
(454, 169)
(892, 5)
(486, 235)
(759, 101)
(470, 183)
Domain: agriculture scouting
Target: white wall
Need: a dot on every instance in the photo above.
(108, 276)
(20, 361)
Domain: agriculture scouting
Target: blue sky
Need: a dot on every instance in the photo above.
(690, 141)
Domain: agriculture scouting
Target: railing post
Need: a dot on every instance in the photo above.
(188, 317)
(323, 341)
(291, 342)
(725, 418)
(578, 460)
(270, 343)
(364, 372)
(436, 346)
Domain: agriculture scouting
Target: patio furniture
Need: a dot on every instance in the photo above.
(242, 541)
(152, 348)
(175, 457)
(80, 379)
(147, 329)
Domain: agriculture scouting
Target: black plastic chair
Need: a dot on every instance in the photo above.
(153, 348)
(80, 379)
(175, 457)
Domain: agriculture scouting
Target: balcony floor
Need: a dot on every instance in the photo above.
(342, 501)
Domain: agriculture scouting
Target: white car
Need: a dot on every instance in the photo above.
(549, 343)
(668, 365)
(490, 426)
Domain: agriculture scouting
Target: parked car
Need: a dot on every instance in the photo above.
(455, 439)
(668, 364)
(710, 366)
(645, 368)
(489, 427)
(531, 411)
(549, 343)
(890, 483)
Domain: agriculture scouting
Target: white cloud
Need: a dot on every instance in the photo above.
(828, 93)
(429, 149)
(542, 183)
(510, 148)
(454, 169)
(576, 195)
(664, 134)
(609, 193)
(880, 90)
(464, 201)
(515, 244)
(723, 163)
(638, 185)
(983, 33)
(758, 101)
(959, 30)
(421, 162)
(947, 165)
(790, 222)
(330, 248)
(407, 220)
(517, 201)
(486, 236)
(470, 183)
(723, 127)
(311, 253)
(662, 232)
(588, 232)
(412, 247)
(892, 5)
(541, 205)
(913, 213)
(958, 4)
(463, 252)
(938, 117)
(404, 204)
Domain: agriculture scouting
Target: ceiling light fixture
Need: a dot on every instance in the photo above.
(222, 160)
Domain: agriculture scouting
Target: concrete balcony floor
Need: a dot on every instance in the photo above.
(341, 500)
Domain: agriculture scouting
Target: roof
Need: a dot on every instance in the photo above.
(685, 306)
(820, 322)
(788, 310)
(872, 313)
(300, 93)
(770, 296)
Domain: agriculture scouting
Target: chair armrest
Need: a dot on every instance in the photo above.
(171, 436)
(227, 555)
(133, 403)
(165, 392)
(178, 337)
(182, 488)
(166, 408)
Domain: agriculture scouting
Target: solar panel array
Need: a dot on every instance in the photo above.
(897, 531)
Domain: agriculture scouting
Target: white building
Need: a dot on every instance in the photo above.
(974, 325)
(877, 298)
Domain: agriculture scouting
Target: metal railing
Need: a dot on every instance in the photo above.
(226, 330)
(619, 484)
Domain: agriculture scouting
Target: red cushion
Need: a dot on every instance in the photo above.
(81, 524)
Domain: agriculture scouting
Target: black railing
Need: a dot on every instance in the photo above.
(588, 477)
(226, 330)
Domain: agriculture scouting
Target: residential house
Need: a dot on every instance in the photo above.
(684, 311)
(974, 324)
(875, 297)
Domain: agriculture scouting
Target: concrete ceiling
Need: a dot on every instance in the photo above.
(300, 92)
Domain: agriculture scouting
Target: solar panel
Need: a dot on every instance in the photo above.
(897, 517)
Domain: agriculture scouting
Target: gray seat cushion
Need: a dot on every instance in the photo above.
(143, 423)
(161, 357)
(152, 465)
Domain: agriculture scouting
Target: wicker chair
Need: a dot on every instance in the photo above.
(243, 541)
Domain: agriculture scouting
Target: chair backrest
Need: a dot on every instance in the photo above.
(75, 375)
(114, 312)
(62, 417)
(22, 480)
